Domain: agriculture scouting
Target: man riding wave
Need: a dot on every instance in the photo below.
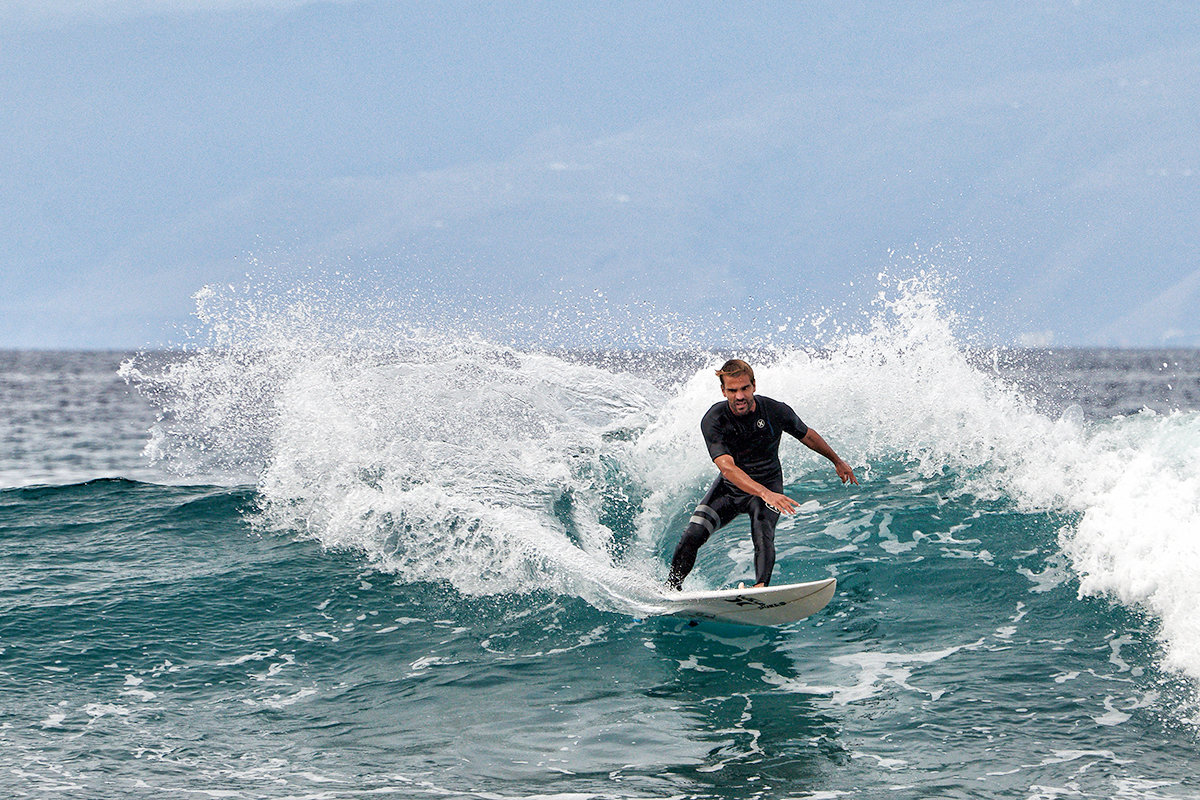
(743, 435)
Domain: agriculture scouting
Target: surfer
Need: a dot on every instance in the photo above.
(743, 435)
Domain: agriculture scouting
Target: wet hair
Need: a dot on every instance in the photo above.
(732, 369)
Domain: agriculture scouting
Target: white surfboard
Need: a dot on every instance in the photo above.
(769, 605)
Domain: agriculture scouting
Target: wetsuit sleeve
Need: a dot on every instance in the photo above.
(791, 422)
(714, 439)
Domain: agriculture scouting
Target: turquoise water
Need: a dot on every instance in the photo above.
(301, 571)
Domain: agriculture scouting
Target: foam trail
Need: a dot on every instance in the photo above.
(476, 467)
(440, 457)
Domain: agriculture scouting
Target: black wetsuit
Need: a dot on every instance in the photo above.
(753, 441)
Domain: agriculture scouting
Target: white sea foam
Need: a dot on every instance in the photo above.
(502, 469)
(440, 457)
(877, 669)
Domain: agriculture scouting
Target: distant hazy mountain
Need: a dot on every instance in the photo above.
(1060, 186)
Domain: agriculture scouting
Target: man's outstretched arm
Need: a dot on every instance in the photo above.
(813, 441)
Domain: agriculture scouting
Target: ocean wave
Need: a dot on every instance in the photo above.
(501, 468)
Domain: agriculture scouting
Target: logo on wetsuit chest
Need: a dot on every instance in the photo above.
(762, 423)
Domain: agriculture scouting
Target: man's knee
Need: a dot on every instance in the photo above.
(693, 536)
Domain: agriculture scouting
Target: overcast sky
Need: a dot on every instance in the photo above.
(1044, 154)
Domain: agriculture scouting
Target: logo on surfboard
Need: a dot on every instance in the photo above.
(742, 600)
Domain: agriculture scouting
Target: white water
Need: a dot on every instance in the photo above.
(451, 457)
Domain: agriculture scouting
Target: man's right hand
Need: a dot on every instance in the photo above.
(780, 502)
(738, 477)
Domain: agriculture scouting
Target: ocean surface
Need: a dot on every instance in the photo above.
(279, 566)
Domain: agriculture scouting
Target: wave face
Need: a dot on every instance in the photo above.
(360, 556)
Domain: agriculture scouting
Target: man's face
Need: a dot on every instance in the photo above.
(739, 391)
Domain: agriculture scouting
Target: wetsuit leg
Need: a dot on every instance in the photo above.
(762, 532)
(716, 509)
